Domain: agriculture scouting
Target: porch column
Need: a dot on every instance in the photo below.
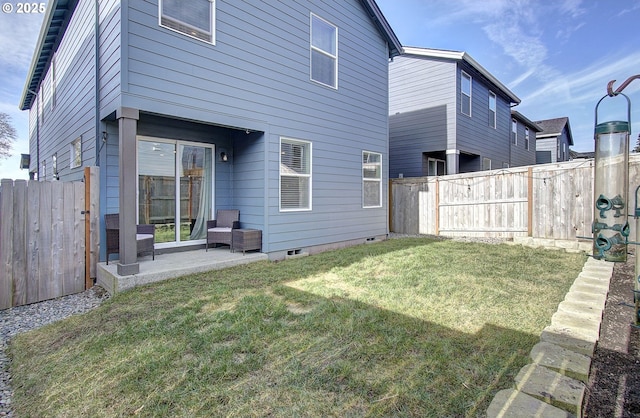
(453, 161)
(127, 130)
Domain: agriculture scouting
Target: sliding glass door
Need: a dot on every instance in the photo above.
(175, 188)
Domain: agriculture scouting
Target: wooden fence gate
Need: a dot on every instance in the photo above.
(49, 238)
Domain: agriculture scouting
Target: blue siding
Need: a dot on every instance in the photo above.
(474, 134)
(73, 115)
(425, 117)
(256, 78)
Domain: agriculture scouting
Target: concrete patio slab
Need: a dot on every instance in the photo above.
(172, 265)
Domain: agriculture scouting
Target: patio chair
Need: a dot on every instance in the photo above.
(219, 230)
(145, 236)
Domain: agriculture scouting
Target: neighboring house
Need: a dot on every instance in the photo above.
(524, 134)
(554, 141)
(277, 109)
(578, 155)
(449, 115)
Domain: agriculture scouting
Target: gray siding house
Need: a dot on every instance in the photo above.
(553, 141)
(448, 115)
(278, 109)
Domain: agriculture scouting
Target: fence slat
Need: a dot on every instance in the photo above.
(552, 201)
(42, 242)
(19, 256)
(6, 239)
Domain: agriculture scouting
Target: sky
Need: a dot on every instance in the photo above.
(557, 56)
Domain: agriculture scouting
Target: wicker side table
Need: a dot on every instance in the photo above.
(246, 240)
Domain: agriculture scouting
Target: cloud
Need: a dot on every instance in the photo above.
(18, 37)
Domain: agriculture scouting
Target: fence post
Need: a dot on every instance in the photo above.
(530, 201)
(437, 207)
(6, 243)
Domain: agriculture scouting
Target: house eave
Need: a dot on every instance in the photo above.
(56, 20)
(395, 47)
(462, 56)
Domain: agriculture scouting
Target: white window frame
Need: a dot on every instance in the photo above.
(55, 166)
(44, 170)
(514, 132)
(365, 161)
(526, 138)
(309, 175)
(313, 48)
(436, 162)
(494, 109)
(75, 153)
(181, 27)
(463, 76)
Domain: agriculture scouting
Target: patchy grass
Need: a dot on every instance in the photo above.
(407, 327)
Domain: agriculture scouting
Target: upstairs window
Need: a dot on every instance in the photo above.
(75, 153)
(295, 175)
(465, 94)
(492, 110)
(514, 132)
(195, 18)
(371, 179)
(324, 52)
(526, 138)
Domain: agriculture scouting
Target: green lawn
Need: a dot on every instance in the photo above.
(405, 327)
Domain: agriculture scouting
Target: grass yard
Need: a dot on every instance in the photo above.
(405, 327)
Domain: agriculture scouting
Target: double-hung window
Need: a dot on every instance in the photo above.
(195, 18)
(75, 153)
(371, 179)
(492, 109)
(324, 52)
(526, 138)
(465, 94)
(295, 175)
(514, 132)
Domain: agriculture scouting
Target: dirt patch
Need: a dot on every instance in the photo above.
(614, 380)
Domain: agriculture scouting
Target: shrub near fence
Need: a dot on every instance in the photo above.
(551, 201)
(42, 239)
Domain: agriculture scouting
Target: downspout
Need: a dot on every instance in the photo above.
(99, 140)
(37, 133)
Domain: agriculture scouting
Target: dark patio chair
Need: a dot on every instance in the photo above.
(219, 230)
(145, 236)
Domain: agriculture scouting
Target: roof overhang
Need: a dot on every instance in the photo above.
(395, 47)
(461, 56)
(56, 20)
(522, 118)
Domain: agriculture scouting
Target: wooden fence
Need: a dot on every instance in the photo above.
(49, 238)
(553, 201)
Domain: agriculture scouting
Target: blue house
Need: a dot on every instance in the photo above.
(278, 109)
(449, 115)
(554, 141)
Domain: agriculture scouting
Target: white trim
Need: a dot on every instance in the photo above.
(494, 110)
(72, 153)
(212, 17)
(309, 176)
(470, 95)
(177, 143)
(453, 151)
(326, 53)
(378, 180)
(461, 56)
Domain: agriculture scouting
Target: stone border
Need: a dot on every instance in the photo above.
(554, 383)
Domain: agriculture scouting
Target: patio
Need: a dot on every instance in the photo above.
(172, 265)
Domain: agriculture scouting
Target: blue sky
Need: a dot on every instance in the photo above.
(557, 56)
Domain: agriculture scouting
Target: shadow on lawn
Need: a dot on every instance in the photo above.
(242, 342)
